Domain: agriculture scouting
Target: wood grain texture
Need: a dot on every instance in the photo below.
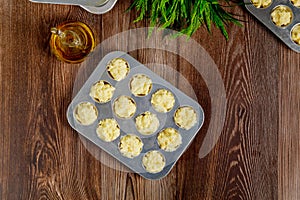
(256, 157)
(289, 126)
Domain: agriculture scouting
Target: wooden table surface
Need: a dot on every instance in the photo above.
(256, 157)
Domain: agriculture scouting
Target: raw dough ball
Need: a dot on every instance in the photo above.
(124, 107)
(185, 117)
(296, 3)
(118, 68)
(261, 3)
(154, 162)
(108, 130)
(140, 85)
(147, 123)
(282, 16)
(130, 146)
(85, 113)
(169, 139)
(163, 100)
(295, 34)
(102, 92)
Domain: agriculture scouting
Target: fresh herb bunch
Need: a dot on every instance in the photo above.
(186, 16)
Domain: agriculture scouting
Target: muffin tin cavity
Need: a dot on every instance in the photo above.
(154, 161)
(136, 123)
(140, 85)
(296, 3)
(295, 34)
(130, 146)
(108, 130)
(124, 107)
(163, 100)
(102, 91)
(118, 68)
(147, 123)
(261, 3)
(169, 139)
(185, 117)
(280, 17)
(85, 113)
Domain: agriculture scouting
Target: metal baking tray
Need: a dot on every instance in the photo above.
(102, 9)
(127, 126)
(264, 16)
(92, 9)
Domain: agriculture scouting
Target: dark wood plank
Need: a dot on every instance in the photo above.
(289, 126)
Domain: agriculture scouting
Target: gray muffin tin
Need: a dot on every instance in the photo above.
(92, 9)
(264, 16)
(127, 126)
(101, 9)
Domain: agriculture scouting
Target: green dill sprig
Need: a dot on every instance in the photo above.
(186, 16)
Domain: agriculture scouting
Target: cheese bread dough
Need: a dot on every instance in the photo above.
(124, 107)
(118, 68)
(154, 162)
(169, 139)
(185, 117)
(102, 91)
(282, 16)
(296, 3)
(295, 35)
(140, 85)
(163, 101)
(261, 3)
(147, 123)
(108, 130)
(85, 113)
(130, 146)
